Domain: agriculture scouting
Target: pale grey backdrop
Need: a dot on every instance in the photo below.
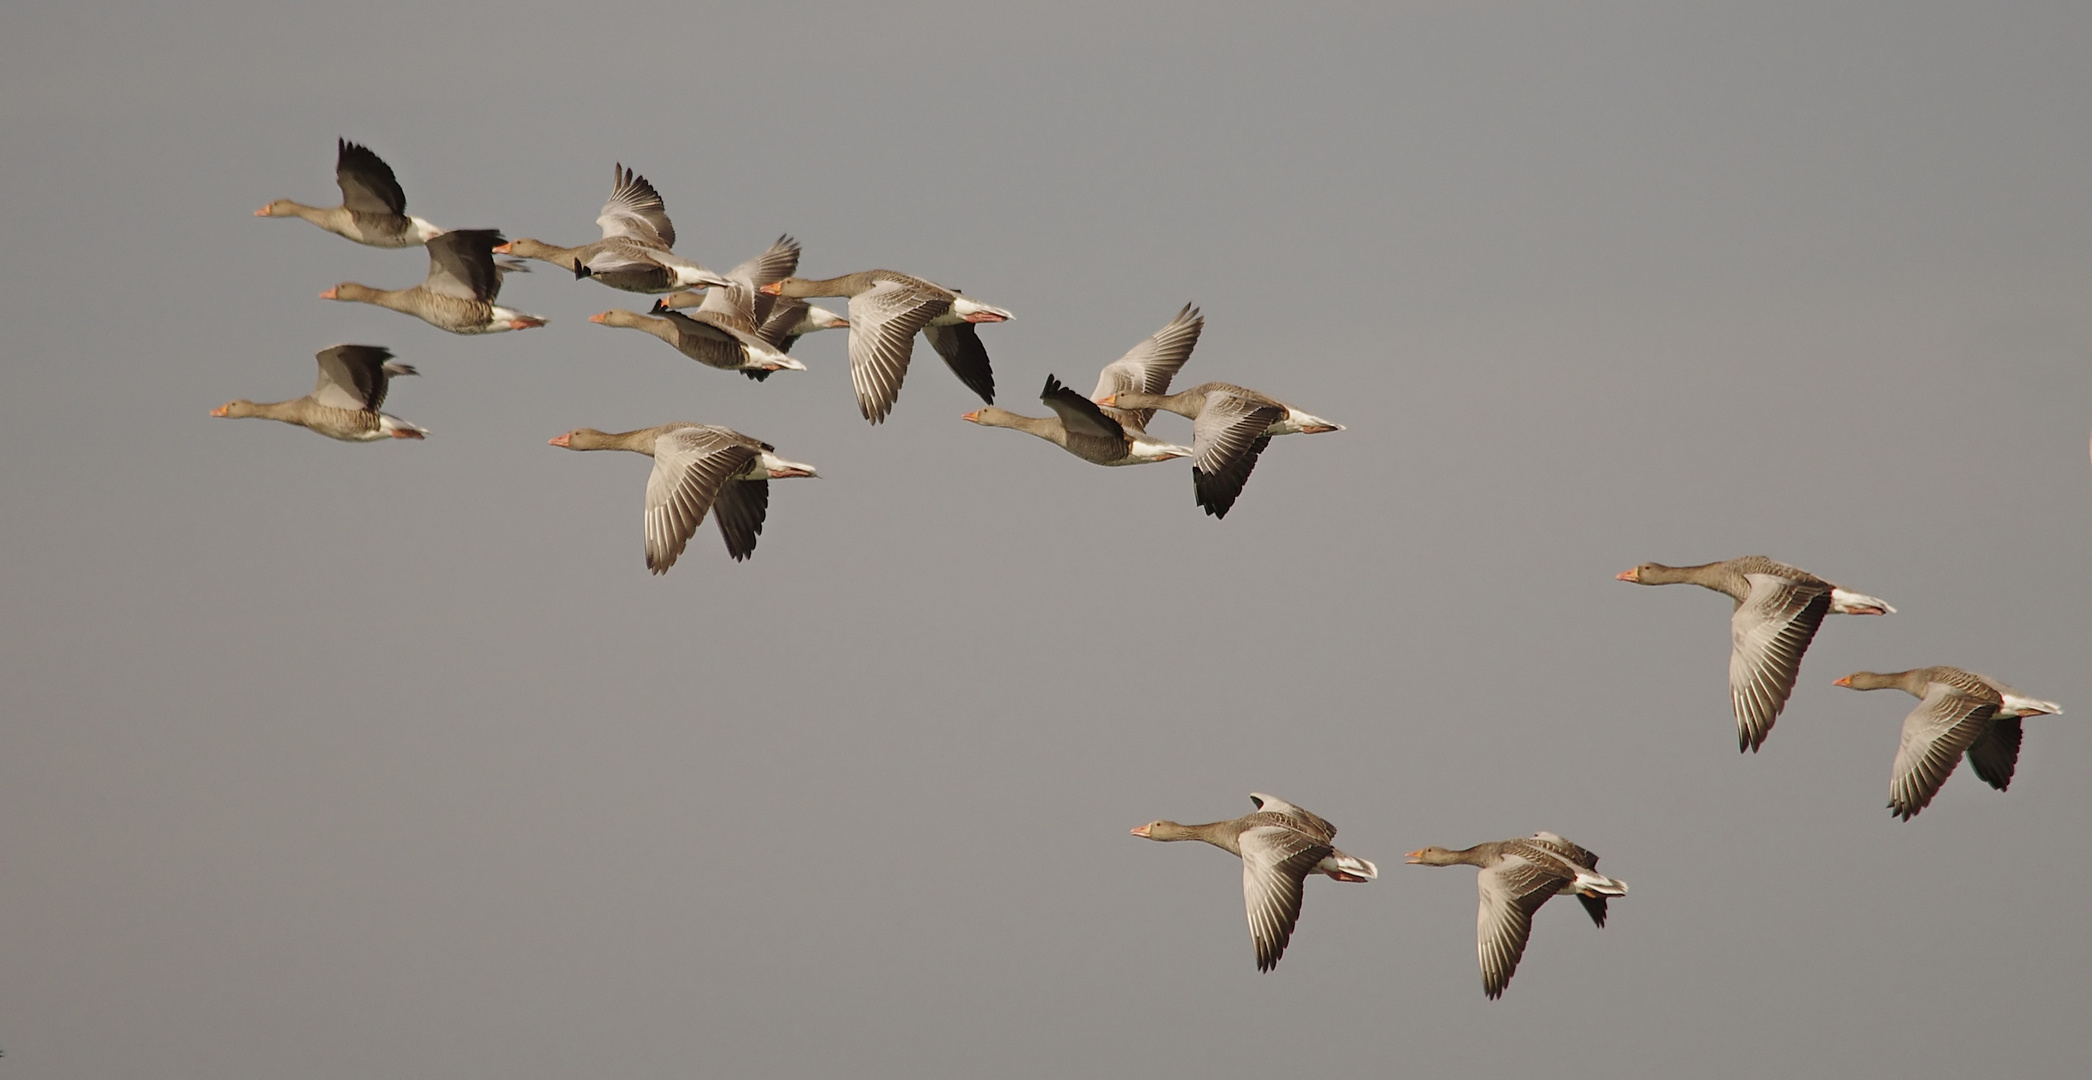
(333, 761)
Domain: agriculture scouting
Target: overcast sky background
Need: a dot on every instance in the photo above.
(335, 761)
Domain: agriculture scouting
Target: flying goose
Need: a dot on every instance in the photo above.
(1958, 712)
(1230, 426)
(1104, 435)
(734, 328)
(373, 207)
(1082, 427)
(1517, 877)
(633, 254)
(1279, 845)
(1778, 609)
(697, 468)
(786, 321)
(344, 403)
(886, 310)
(458, 294)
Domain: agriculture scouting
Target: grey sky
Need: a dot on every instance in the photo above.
(332, 761)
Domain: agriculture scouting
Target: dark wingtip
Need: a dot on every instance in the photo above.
(581, 270)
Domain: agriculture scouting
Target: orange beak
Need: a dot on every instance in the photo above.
(560, 440)
(503, 249)
(1846, 681)
(1108, 400)
(263, 212)
(221, 410)
(772, 289)
(1140, 830)
(1633, 574)
(974, 417)
(329, 294)
(600, 316)
(1414, 856)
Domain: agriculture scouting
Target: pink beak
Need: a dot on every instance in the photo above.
(1634, 575)
(329, 294)
(1846, 681)
(560, 440)
(975, 418)
(1140, 830)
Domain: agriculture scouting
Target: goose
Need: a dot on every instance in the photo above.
(373, 207)
(886, 310)
(1230, 427)
(705, 343)
(1958, 712)
(344, 403)
(1082, 428)
(788, 320)
(633, 254)
(697, 467)
(1517, 877)
(1778, 609)
(1279, 845)
(458, 295)
(735, 328)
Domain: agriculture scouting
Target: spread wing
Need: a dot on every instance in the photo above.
(1511, 891)
(740, 509)
(1079, 415)
(1216, 492)
(884, 320)
(963, 352)
(1275, 862)
(690, 466)
(1149, 366)
(776, 264)
(461, 264)
(635, 210)
(1995, 753)
(1771, 629)
(1935, 735)
(352, 377)
(367, 184)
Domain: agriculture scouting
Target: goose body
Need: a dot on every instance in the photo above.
(1959, 712)
(1230, 427)
(344, 404)
(698, 469)
(1101, 434)
(887, 310)
(1517, 877)
(458, 294)
(635, 253)
(1280, 845)
(373, 206)
(1778, 610)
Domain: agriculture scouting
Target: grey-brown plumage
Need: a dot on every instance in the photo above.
(1778, 611)
(1100, 433)
(635, 252)
(459, 293)
(1280, 845)
(1517, 877)
(1959, 712)
(1230, 426)
(373, 206)
(698, 469)
(344, 403)
(887, 310)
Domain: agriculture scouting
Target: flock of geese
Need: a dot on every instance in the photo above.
(748, 320)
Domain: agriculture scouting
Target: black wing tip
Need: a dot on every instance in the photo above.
(581, 270)
(1053, 386)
